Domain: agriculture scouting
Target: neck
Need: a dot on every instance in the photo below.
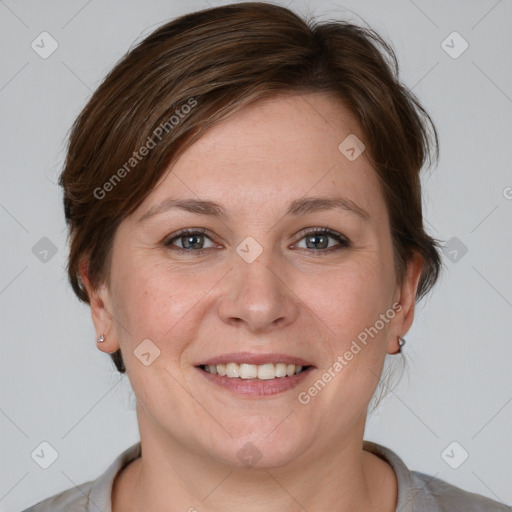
(343, 477)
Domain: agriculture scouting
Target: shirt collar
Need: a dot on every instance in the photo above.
(101, 491)
(402, 473)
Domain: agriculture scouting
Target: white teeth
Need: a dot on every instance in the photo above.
(244, 371)
(232, 370)
(248, 371)
(280, 370)
(266, 371)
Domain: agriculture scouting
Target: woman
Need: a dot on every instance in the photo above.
(244, 205)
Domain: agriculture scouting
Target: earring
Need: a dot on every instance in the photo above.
(401, 343)
(101, 339)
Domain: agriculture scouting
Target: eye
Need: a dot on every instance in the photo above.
(320, 238)
(189, 240)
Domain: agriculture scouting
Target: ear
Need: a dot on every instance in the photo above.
(101, 308)
(406, 297)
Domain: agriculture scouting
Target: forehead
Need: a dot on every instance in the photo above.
(274, 151)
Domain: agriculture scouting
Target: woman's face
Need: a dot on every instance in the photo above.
(258, 285)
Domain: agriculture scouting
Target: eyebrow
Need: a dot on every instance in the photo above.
(297, 207)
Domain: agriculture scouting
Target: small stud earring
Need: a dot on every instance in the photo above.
(101, 339)
(401, 343)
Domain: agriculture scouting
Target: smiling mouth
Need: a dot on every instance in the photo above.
(268, 371)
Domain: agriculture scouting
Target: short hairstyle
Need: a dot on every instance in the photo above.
(200, 68)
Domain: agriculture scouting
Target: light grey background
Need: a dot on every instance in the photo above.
(57, 387)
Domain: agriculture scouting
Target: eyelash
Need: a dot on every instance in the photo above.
(342, 240)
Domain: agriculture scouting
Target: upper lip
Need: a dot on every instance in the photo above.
(258, 359)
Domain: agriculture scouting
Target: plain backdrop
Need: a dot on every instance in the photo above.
(56, 387)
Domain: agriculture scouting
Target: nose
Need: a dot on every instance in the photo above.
(258, 297)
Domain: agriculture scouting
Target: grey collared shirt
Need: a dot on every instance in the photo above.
(417, 492)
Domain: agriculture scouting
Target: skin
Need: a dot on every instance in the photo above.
(306, 302)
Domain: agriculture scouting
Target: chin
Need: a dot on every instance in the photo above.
(261, 450)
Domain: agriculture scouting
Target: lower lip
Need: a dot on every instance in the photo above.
(256, 387)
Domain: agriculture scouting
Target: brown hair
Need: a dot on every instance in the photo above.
(198, 69)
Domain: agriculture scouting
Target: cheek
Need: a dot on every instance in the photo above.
(352, 297)
(355, 347)
(157, 301)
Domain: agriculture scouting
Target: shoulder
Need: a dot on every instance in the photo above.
(90, 496)
(419, 492)
(72, 500)
(430, 493)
